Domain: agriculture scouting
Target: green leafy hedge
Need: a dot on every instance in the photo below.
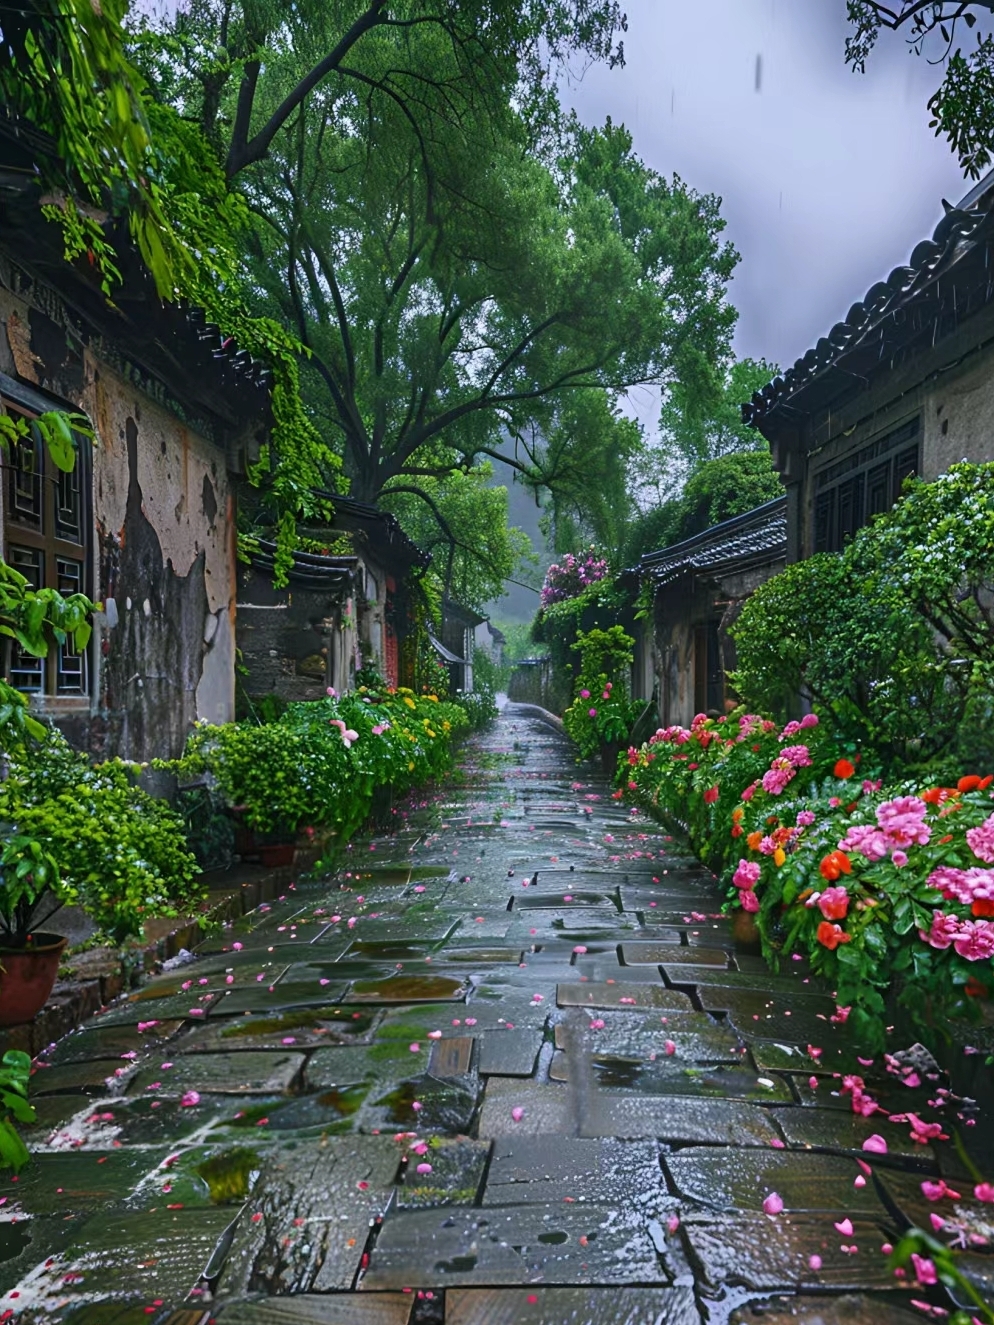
(320, 763)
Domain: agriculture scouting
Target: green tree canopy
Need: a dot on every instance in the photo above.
(721, 488)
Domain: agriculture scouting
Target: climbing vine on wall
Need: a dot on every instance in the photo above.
(109, 152)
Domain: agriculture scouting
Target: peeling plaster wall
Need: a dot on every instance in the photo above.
(164, 515)
(163, 554)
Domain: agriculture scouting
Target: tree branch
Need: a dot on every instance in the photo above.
(243, 152)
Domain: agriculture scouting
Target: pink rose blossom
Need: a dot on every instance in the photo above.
(975, 940)
(942, 931)
(830, 902)
(746, 874)
(750, 791)
(903, 820)
(867, 840)
(981, 840)
(749, 900)
(806, 818)
(809, 720)
(798, 755)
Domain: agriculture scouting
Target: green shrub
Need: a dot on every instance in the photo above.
(601, 713)
(117, 852)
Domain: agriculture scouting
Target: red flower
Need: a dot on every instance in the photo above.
(844, 769)
(830, 936)
(617, 795)
(969, 783)
(834, 864)
(737, 830)
(983, 906)
(974, 989)
(711, 795)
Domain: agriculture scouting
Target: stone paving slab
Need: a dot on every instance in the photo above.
(623, 996)
(235, 1073)
(728, 1180)
(850, 1309)
(134, 1256)
(575, 1306)
(763, 1253)
(315, 1201)
(332, 1309)
(526, 1170)
(560, 1244)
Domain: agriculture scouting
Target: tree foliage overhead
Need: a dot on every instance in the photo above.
(952, 33)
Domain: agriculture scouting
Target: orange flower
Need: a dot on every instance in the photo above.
(737, 813)
(936, 795)
(969, 783)
(753, 840)
(834, 864)
(830, 936)
(779, 856)
(844, 769)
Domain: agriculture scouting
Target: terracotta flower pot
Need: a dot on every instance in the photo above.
(745, 932)
(27, 975)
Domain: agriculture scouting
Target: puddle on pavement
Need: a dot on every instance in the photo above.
(229, 1175)
(407, 989)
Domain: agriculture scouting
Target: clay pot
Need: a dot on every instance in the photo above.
(27, 975)
(746, 932)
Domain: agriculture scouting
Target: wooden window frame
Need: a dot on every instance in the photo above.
(41, 544)
(849, 492)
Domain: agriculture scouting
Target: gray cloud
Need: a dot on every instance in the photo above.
(828, 178)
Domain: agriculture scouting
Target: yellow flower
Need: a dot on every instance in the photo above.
(409, 702)
(434, 697)
(779, 856)
(446, 726)
(431, 733)
(410, 766)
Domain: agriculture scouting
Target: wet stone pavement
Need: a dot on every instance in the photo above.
(507, 1067)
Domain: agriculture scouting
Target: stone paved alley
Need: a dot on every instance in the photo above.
(507, 1067)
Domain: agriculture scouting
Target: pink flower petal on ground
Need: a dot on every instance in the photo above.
(414, 1047)
(191, 1098)
(845, 1228)
(773, 1204)
(673, 1223)
(984, 1191)
(517, 1113)
(777, 1144)
(859, 1181)
(470, 1021)
(670, 1048)
(876, 1144)
(434, 1035)
(424, 1168)
(814, 1262)
(580, 949)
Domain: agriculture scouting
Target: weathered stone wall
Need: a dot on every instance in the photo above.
(163, 538)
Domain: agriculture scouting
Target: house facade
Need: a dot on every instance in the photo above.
(145, 523)
(349, 605)
(697, 589)
(903, 385)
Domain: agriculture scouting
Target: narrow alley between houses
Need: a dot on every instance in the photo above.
(508, 1061)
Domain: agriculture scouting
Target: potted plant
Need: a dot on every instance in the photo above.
(30, 894)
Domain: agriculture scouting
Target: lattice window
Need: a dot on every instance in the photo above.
(861, 485)
(46, 538)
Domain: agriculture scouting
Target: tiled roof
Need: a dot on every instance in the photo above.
(758, 535)
(946, 279)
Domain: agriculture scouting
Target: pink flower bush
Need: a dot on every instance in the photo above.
(568, 578)
(972, 940)
(981, 840)
(797, 755)
(965, 886)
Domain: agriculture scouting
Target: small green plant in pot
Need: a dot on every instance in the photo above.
(31, 892)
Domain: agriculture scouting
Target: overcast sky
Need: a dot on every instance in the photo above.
(828, 178)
